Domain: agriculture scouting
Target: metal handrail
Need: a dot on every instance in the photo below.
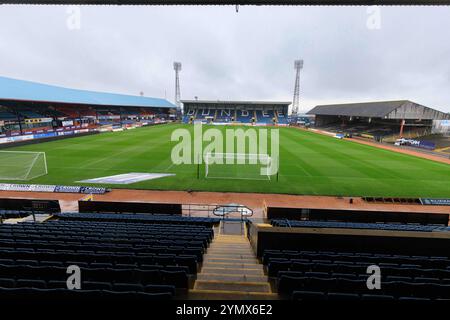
(212, 210)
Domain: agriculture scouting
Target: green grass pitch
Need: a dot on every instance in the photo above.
(309, 164)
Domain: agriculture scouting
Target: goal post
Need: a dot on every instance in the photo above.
(22, 165)
(244, 166)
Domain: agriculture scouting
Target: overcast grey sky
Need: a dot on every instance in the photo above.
(234, 56)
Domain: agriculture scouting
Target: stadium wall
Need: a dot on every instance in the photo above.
(31, 139)
(375, 241)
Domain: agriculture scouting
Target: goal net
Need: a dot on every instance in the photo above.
(22, 165)
(237, 166)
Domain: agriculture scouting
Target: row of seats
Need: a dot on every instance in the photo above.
(146, 276)
(92, 248)
(326, 272)
(74, 238)
(87, 232)
(79, 295)
(100, 259)
(14, 214)
(357, 225)
(170, 266)
(306, 256)
(288, 284)
(362, 276)
(101, 227)
(131, 256)
(412, 271)
(167, 221)
(143, 218)
(339, 296)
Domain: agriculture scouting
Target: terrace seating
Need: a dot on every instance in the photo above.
(203, 113)
(224, 115)
(123, 259)
(86, 295)
(5, 115)
(282, 118)
(30, 114)
(264, 116)
(79, 111)
(14, 214)
(244, 116)
(319, 275)
(140, 218)
(360, 216)
(355, 225)
(53, 113)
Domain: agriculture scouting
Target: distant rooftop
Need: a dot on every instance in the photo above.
(21, 90)
(379, 109)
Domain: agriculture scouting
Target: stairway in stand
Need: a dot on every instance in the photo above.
(231, 271)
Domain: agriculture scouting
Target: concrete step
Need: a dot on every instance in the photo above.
(224, 249)
(223, 240)
(230, 295)
(230, 250)
(231, 245)
(237, 266)
(207, 259)
(250, 272)
(232, 286)
(215, 255)
(230, 238)
(231, 277)
(231, 242)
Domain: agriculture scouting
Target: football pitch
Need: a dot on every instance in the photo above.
(310, 164)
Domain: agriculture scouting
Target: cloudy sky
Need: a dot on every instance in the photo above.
(351, 53)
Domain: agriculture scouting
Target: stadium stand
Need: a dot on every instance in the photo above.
(331, 275)
(362, 216)
(28, 108)
(203, 114)
(383, 120)
(136, 217)
(244, 116)
(282, 118)
(129, 207)
(224, 115)
(264, 116)
(28, 205)
(353, 225)
(125, 259)
(235, 111)
(6, 115)
(13, 214)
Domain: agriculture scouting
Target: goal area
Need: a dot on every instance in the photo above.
(22, 165)
(237, 166)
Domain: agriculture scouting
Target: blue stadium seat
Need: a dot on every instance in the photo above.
(342, 296)
(309, 296)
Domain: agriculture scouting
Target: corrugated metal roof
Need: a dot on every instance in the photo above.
(13, 89)
(364, 109)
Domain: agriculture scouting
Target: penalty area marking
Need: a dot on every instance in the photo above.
(127, 178)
